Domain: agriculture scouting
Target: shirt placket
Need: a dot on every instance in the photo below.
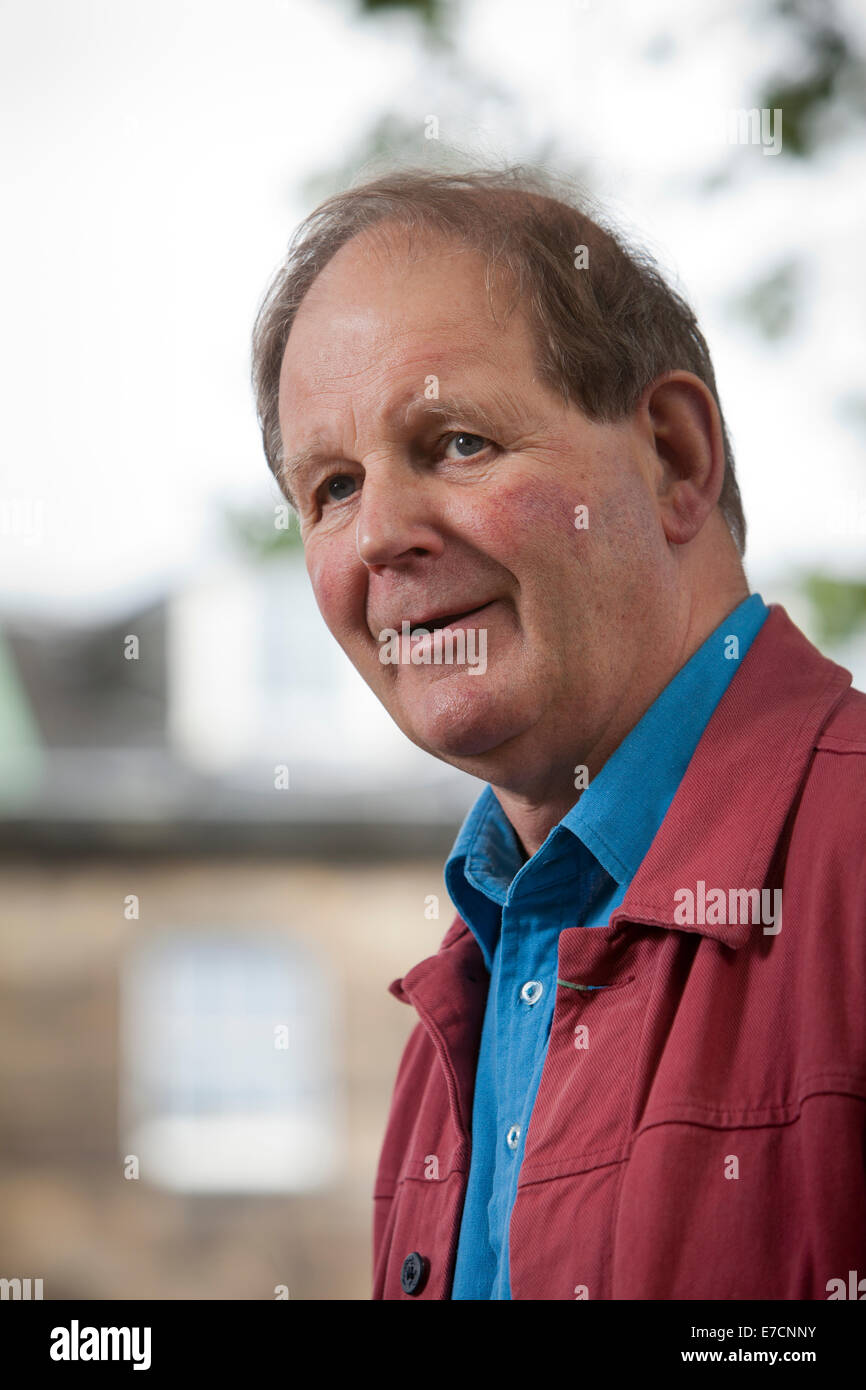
(526, 991)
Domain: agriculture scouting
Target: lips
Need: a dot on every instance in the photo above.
(449, 619)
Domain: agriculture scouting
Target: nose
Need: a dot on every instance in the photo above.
(397, 518)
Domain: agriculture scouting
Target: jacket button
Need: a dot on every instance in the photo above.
(413, 1275)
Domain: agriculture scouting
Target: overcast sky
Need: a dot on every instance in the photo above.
(153, 161)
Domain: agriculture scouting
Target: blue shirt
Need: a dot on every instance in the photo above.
(517, 909)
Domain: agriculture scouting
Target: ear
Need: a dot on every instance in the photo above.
(680, 422)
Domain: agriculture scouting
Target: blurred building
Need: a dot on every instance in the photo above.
(215, 857)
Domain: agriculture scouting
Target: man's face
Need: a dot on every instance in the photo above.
(411, 511)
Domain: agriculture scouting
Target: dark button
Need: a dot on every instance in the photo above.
(413, 1275)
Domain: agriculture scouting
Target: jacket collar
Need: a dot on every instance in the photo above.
(449, 992)
(725, 821)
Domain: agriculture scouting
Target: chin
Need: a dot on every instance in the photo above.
(456, 723)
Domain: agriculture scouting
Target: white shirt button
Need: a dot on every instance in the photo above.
(532, 991)
(512, 1138)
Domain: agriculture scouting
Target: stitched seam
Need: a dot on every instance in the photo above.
(593, 1163)
(775, 1115)
(422, 1182)
(826, 744)
(814, 1080)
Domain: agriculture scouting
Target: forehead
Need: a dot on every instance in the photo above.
(388, 310)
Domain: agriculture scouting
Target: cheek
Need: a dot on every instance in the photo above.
(338, 585)
(531, 521)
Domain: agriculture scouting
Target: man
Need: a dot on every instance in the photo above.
(634, 1074)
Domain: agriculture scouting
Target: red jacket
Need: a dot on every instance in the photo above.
(704, 1135)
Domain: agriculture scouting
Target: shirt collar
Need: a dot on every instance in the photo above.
(485, 858)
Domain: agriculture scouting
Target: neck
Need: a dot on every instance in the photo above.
(534, 808)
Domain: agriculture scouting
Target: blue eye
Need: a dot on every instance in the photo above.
(476, 440)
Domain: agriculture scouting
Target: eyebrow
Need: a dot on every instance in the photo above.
(459, 409)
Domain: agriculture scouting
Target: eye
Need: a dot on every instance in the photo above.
(472, 443)
(334, 489)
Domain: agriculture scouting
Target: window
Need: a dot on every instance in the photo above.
(227, 1077)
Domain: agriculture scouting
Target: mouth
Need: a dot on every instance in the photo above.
(450, 620)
